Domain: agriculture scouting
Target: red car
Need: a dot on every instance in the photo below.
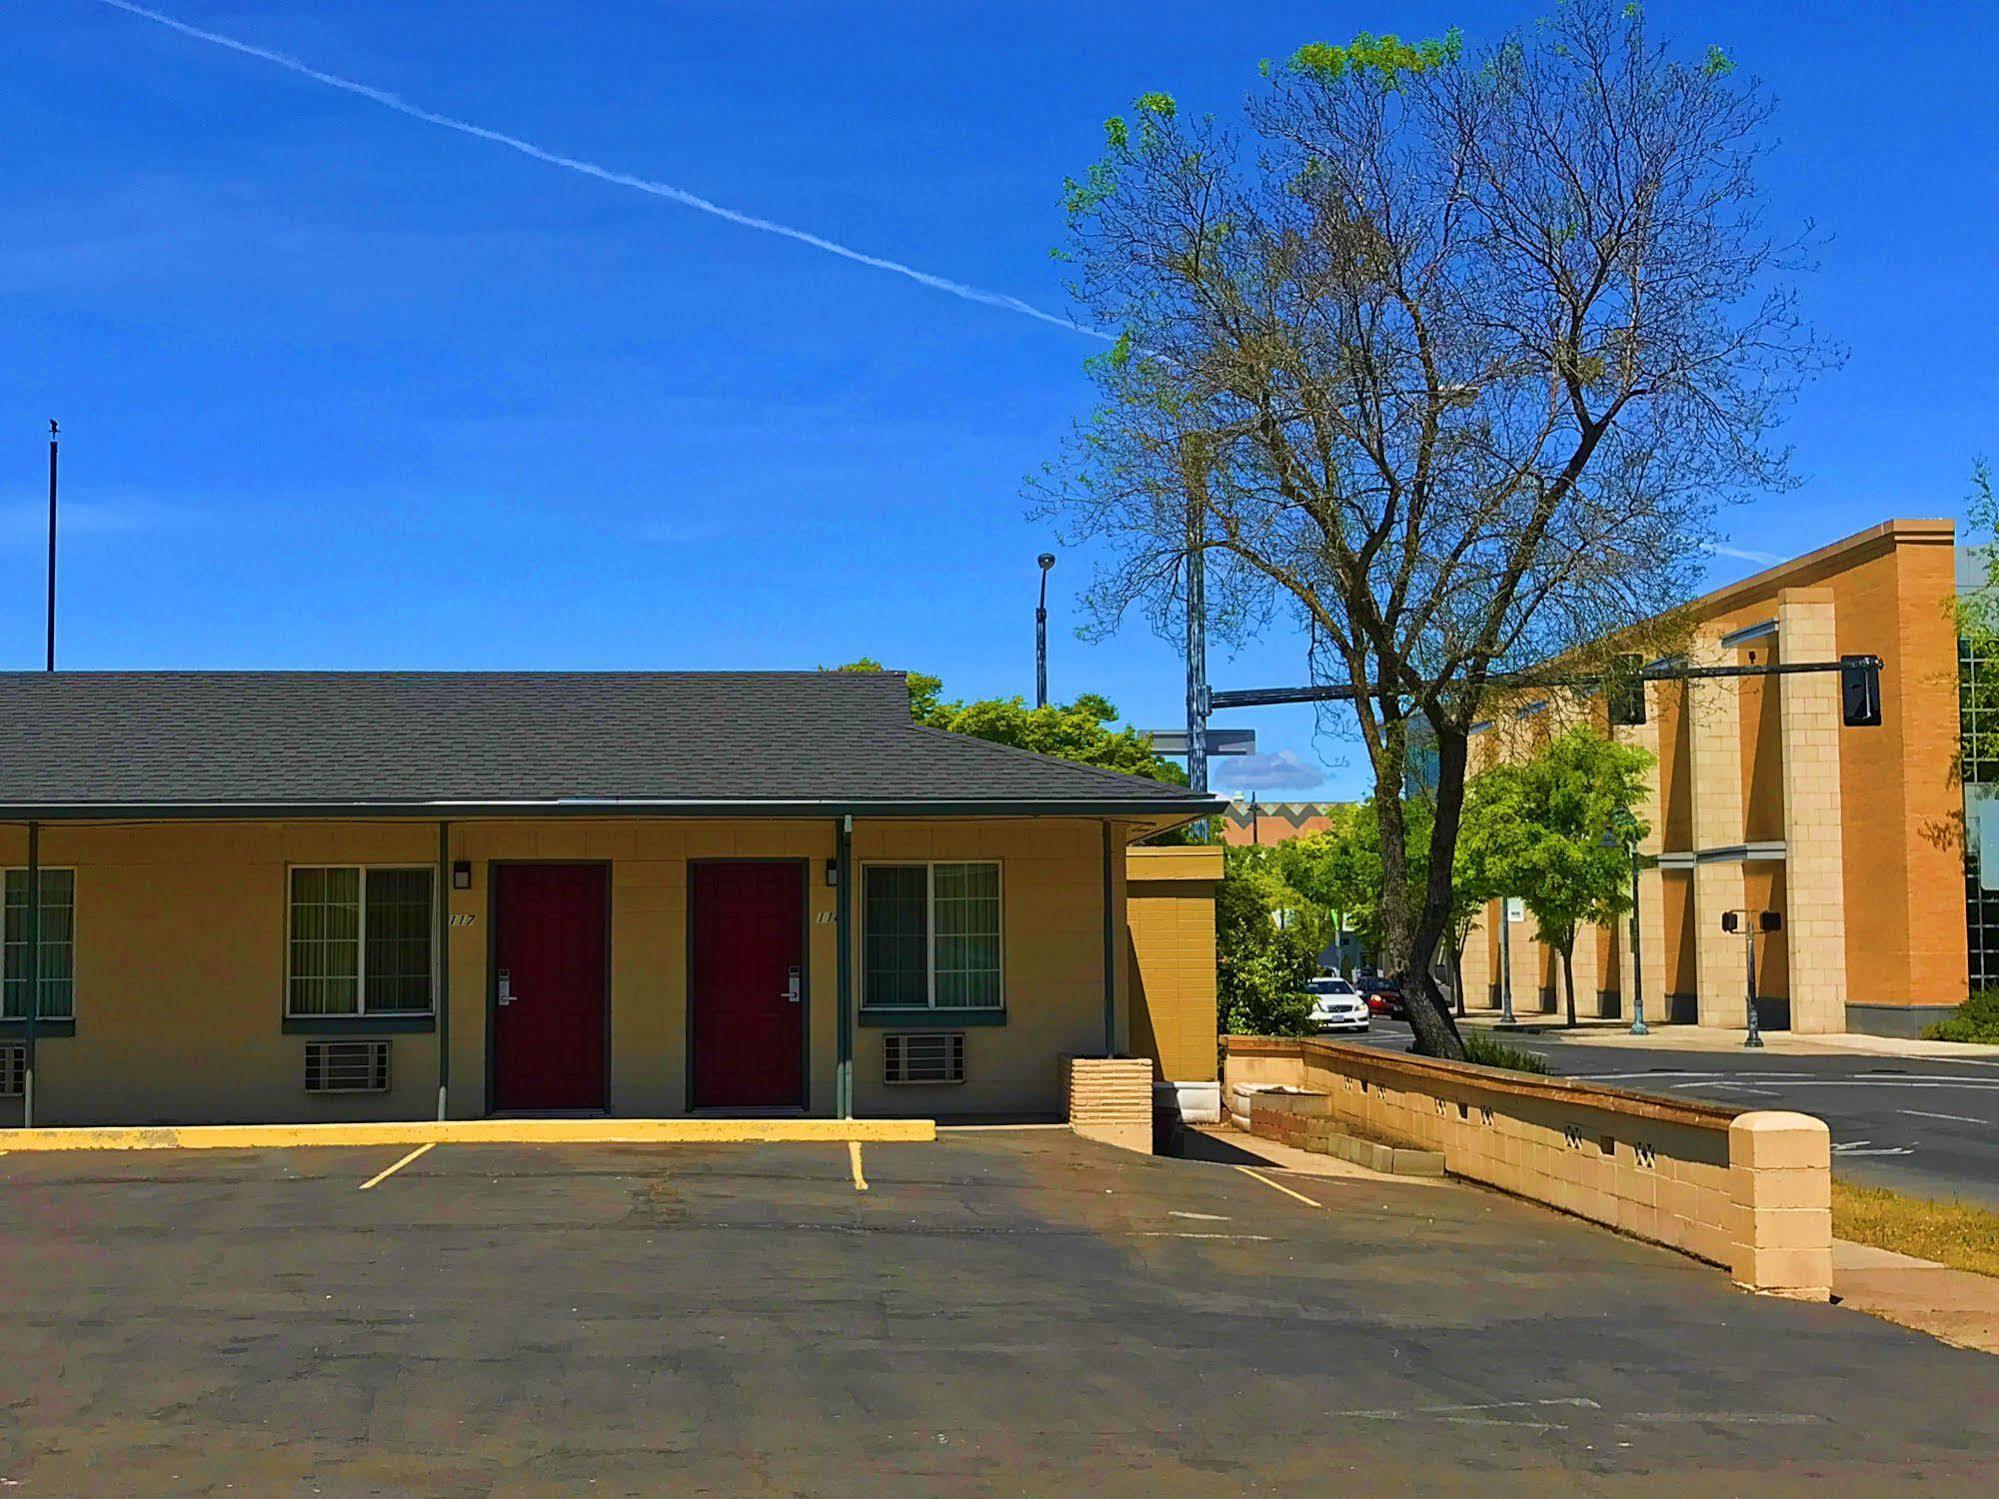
(1383, 996)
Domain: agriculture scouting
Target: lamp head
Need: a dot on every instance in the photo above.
(1047, 560)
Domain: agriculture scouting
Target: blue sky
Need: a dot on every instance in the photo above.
(343, 389)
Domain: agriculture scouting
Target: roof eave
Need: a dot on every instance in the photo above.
(1180, 809)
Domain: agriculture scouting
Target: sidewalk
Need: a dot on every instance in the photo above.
(1955, 1305)
(1592, 1031)
(1226, 1145)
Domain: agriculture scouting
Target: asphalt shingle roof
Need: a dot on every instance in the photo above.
(87, 743)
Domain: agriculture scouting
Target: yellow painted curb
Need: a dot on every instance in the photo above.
(475, 1132)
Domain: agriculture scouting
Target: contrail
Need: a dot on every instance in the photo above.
(664, 190)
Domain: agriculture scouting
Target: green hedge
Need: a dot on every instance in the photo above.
(1977, 1019)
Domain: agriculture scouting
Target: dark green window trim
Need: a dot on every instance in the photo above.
(940, 1019)
(44, 1027)
(358, 1025)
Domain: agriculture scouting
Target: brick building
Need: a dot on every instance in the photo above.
(1761, 800)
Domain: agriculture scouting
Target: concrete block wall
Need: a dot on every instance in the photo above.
(1749, 1192)
(1814, 853)
(1110, 1100)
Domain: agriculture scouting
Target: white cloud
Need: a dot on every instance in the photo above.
(1283, 771)
(30, 523)
(1742, 554)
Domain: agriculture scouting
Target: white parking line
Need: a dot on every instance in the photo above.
(1279, 1186)
(1955, 1118)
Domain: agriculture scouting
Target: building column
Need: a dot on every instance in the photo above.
(1477, 963)
(1650, 976)
(1814, 853)
(1714, 735)
(1583, 963)
(1523, 937)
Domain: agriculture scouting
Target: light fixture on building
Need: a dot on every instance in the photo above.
(461, 875)
(833, 872)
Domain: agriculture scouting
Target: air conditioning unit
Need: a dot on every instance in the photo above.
(346, 1066)
(13, 1068)
(923, 1057)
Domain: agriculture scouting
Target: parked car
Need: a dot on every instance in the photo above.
(1383, 995)
(1336, 1005)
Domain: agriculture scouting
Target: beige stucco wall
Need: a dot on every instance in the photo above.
(180, 963)
(1170, 922)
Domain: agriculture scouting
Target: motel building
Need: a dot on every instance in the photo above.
(355, 896)
(1762, 801)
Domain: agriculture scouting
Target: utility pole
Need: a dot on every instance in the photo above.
(1047, 560)
(54, 432)
(1197, 627)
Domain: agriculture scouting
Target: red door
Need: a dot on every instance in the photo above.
(747, 978)
(549, 931)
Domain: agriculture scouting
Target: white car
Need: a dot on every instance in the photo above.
(1336, 1005)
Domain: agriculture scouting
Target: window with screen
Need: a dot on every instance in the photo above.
(56, 942)
(360, 941)
(930, 937)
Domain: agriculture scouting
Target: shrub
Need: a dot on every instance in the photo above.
(1977, 1019)
(1261, 969)
(1485, 1051)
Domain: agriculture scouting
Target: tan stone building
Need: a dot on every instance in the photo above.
(333, 896)
(1762, 801)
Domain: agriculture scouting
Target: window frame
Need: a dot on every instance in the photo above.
(929, 1008)
(361, 1014)
(41, 1020)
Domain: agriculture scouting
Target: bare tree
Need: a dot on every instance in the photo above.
(1449, 356)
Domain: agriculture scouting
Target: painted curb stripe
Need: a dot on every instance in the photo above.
(854, 1155)
(381, 1176)
(478, 1132)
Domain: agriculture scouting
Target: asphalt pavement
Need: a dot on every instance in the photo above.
(1003, 1312)
(1927, 1125)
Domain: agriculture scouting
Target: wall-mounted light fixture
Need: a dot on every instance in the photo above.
(833, 872)
(461, 875)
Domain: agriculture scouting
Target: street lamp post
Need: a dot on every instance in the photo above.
(1749, 946)
(1047, 560)
(1505, 961)
(1748, 922)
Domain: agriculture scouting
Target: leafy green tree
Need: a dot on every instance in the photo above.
(1975, 611)
(1271, 870)
(1449, 351)
(1342, 868)
(1261, 966)
(1562, 852)
(1083, 731)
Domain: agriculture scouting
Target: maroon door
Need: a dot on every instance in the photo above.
(747, 985)
(549, 938)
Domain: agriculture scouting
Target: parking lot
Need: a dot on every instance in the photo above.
(1002, 1311)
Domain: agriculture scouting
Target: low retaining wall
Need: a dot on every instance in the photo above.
(1110, 1099)
(1305, 1121)
(1748, 1191)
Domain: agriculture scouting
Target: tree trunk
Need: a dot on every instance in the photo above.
(1395, 920)
(1569, 976)
(1436, 1032)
